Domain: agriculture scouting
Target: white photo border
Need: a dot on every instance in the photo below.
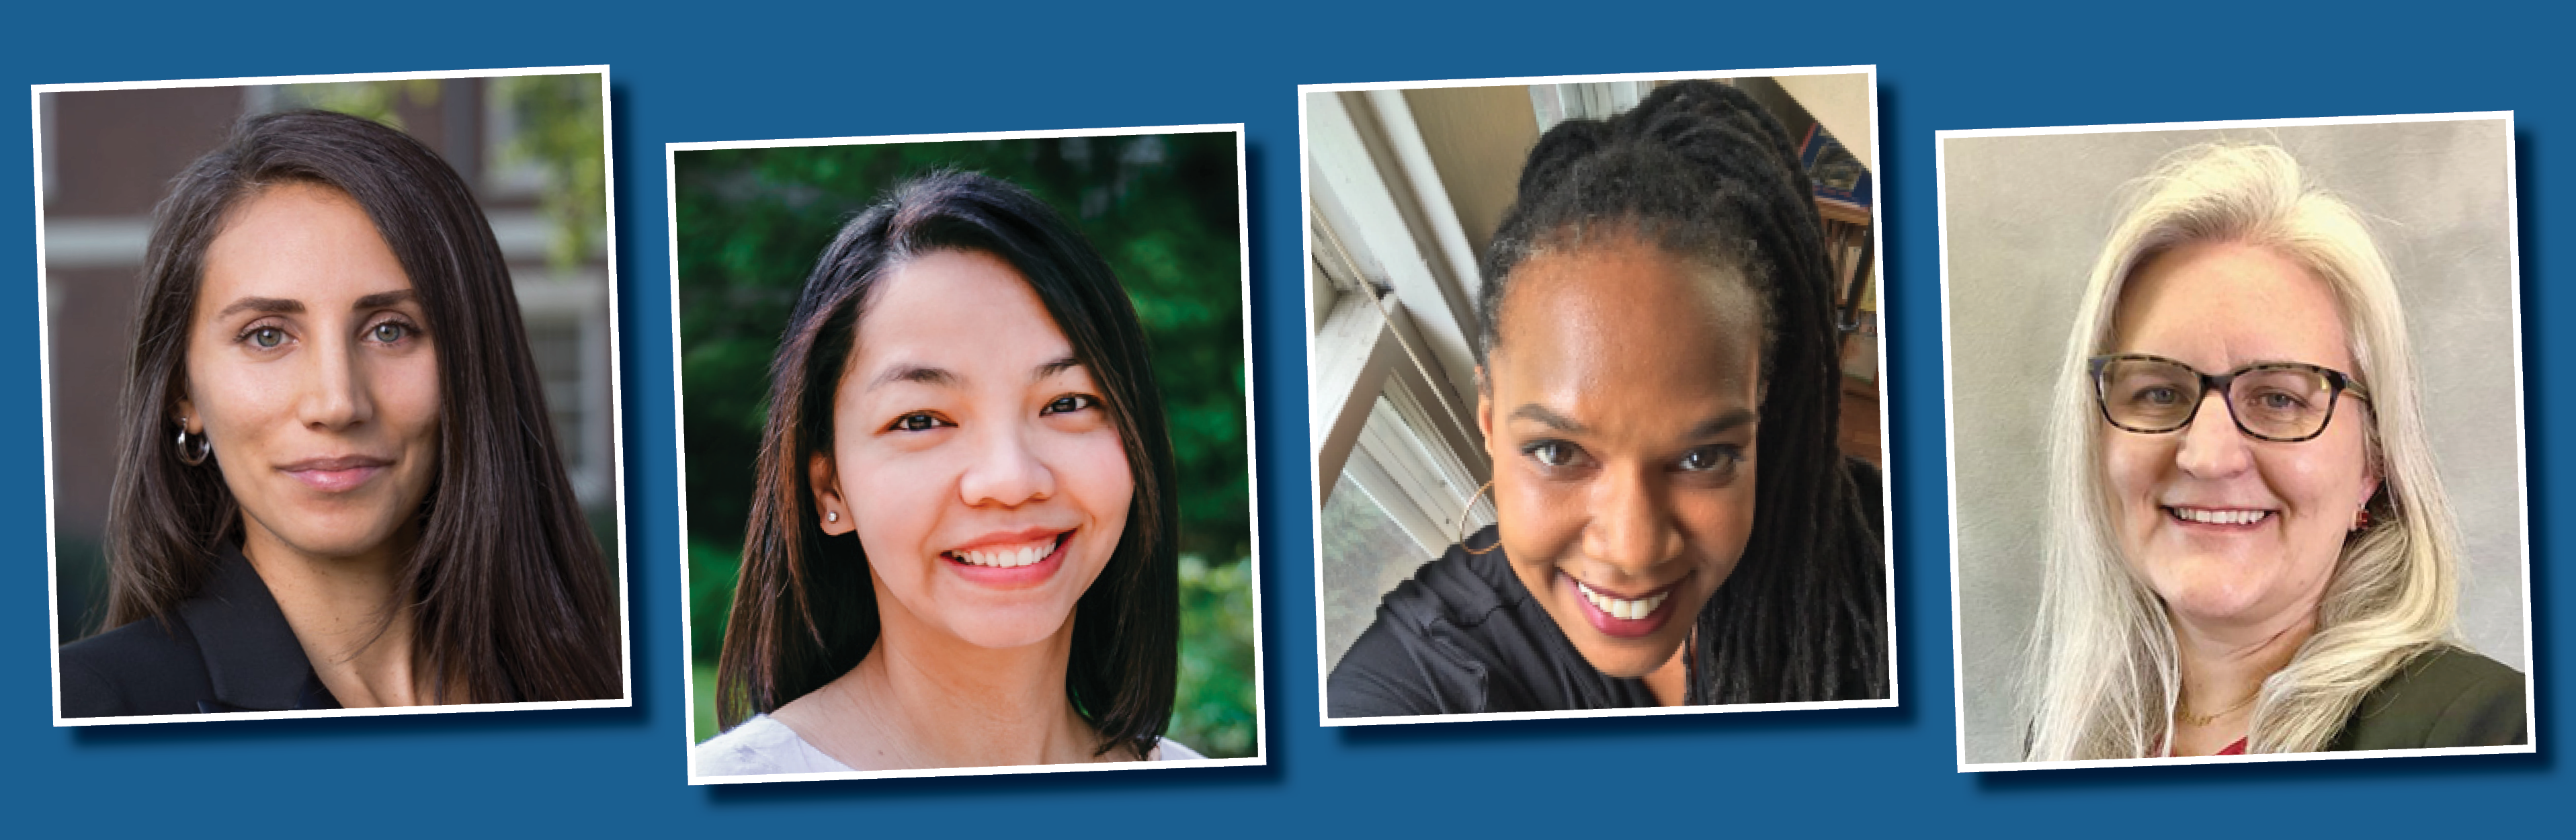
(616, 397)
(680, 462)
(1949, 419)
(1878, 293)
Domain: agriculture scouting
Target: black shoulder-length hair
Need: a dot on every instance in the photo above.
(1702, 171)
(511, 594)
(805, 612)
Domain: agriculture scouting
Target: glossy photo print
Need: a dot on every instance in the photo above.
(966, 454)
(330, 392)
(1594, 396)
(2236, 442)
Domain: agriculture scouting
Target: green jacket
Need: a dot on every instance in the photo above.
(2445, 697)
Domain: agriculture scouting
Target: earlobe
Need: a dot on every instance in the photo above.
(1484, 404)
(831, 513)
(187, 417)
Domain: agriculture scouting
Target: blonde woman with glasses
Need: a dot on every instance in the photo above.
(2250, 551)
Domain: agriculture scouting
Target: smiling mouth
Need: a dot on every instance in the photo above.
(1009, 556)
(1623, 615)
(1631, 609)
(2230, 517)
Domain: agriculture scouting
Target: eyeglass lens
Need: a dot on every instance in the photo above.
(2159, 396)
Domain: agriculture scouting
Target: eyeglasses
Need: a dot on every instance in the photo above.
(2285, 402)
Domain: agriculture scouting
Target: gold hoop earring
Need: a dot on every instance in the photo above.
(1461, 541)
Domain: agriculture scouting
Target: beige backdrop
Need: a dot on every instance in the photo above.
(2023, 219)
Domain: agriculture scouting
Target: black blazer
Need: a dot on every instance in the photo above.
(2444, 697)
(225, 649)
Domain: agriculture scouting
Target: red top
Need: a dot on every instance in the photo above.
(2237, 748)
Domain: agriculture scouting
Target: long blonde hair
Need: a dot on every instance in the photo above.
(2103, 676)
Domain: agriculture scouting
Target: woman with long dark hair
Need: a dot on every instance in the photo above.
(962, 547)
(337, 484)
(1659, 389)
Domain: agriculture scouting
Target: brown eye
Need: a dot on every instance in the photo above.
(1071, 403)
(919, 421)
(1709, 458)
(1553, 453)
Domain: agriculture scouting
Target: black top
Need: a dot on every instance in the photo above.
(2445, 697)
(1465, 636)
(225, 649)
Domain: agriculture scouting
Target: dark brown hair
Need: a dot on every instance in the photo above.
(805, 611)
(1700, 170)
(512, 597)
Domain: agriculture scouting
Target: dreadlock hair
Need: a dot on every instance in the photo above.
(1701, 171)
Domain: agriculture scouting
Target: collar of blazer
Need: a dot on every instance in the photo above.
(252, 657)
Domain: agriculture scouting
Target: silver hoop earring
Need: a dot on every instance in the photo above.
(194, 455)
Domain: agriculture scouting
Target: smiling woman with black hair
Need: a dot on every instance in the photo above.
(337, 485)
(1659, 388)
(962, 549)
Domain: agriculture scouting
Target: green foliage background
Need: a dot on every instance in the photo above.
(1161, 208)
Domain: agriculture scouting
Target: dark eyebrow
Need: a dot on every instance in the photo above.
(1711, 427)
(914, 373)
(381, 300)
(1059, 365)
(940, 377)
(1551, 419)
(1723, 423)
(266, 306)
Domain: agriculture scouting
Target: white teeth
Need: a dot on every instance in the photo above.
(1620, 607)
(1007, 558)
(2220, 517)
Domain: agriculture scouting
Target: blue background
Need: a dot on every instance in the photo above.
(730, 71)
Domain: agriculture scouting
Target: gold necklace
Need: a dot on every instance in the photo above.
(2184, 710)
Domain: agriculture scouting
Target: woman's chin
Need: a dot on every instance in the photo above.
(1007, 629)
(1627, 658)
(2211, 600)
(1624, 657)
(325, 537)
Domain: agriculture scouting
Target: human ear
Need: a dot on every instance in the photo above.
(833, 512)
(1485, 408)
(189, 422)
(2369, 486)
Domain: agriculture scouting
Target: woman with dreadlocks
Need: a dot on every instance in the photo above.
(1658, 386)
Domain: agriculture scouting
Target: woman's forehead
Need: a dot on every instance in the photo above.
(2219, 306)
(1625, 302)
(1626, 324)
(963, 317)
(304, 242)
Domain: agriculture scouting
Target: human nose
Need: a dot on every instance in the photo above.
(1631, 526)
(1006, 471)
(335, 389)
(2212, 445)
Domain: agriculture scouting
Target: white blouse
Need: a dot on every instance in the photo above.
(762, 745)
